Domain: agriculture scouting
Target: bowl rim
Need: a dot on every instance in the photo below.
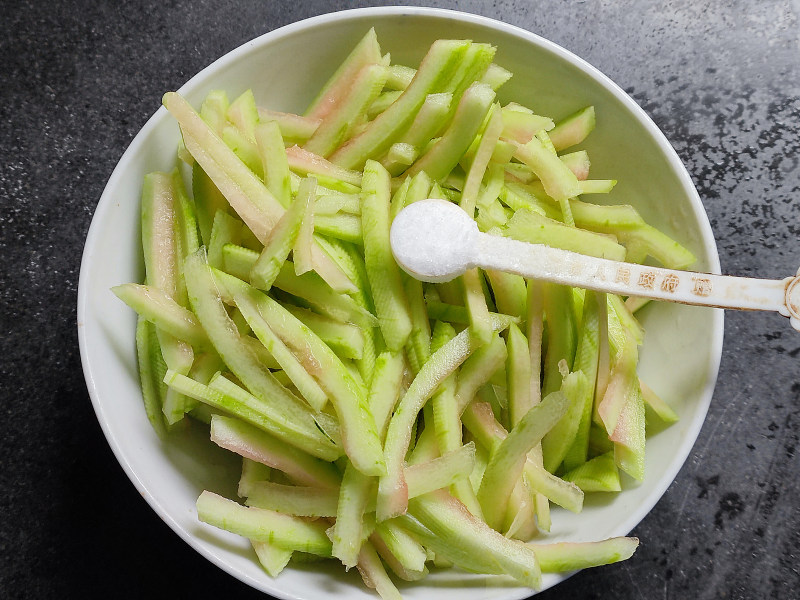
(681, 451)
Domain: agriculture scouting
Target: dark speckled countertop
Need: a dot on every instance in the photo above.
(78, 80)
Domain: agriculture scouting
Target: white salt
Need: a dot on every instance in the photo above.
(434, 240)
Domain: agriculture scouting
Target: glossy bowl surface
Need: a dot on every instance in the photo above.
(285, 67)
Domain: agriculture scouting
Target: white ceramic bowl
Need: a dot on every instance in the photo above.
(679, 359)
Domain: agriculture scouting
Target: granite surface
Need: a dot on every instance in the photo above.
(79, 79)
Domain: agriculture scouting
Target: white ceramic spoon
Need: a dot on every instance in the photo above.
(434, 240)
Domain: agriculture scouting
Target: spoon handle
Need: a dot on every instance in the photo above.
(628, 279)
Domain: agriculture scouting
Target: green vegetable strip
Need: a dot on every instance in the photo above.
(161, 310)
(508, 460)
(577, 162)
(626, 318)
(273, 161)
(347, 534)
(366, 52)
(304, 383)
(226, 229)
(445, 153)
(398, 201)
(329, 174)
(329, 424)
(469, 72)
(340, 226)
(458, 314)
(331, 203)
(303, 244)
(255, 444)
(658, 245)
(561, 437)
(440, 472)
(488, 140)
(429, 119)
(597, 186)
(570, 556)
(311, 288)
(520, 519)
(208, 200)
(214, 109)
(528, 226)
(241, 187)
(634, 303)
(382, 271)
(149, 356)
(477, 370)
(559, 182)
(279, 244)
(343, 338)
(521, 126)
(419, 342)
(603, 358)
(509, 292)
(244, 148)
(561, 333)
(374, 575)
(419, 189)
(623, 385)
(586, 361)
(283, 405)
(629, 436)
(598, 440)
(351, 261)
(238, 261)
(446, 423)
(599, 474)
(518, 373)
(594, 217)
(300, 501)
(549, 487)
(622, 221)
(161, 245)
(479, 325)
(337, 125)
(661, 408)
(243, 114)
(271, 557)
(252, 472)
(479, 419)
(573, 129)
(293, 128)
(189, 237)
(436, 67)
(496, 76)
(457, 534)
(244, 191)
(399, 77)
(359, 435)
(252, 410)
(520, 197)
(474, 300)
(400, 551)
(385, 389)
(392, 489)
(401, 154)
(291, 533)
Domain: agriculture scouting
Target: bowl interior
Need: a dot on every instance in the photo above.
(679, 359)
